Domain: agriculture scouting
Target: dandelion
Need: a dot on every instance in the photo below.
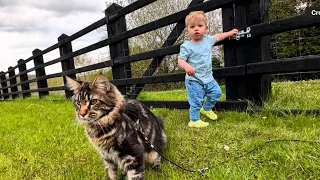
(226, 148)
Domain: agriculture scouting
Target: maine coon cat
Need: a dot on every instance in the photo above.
(109, 122)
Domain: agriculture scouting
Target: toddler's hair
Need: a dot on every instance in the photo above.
(196, 16)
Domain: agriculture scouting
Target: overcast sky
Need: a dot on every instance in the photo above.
(29, 24)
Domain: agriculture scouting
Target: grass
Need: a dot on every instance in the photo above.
(177, 94)
(42, 140)
(299, 94)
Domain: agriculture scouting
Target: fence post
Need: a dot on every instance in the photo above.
(13, 81)
(243, 14)
(40, 72)
(67, 64)
(118, 49)
(4, 85)
(24, 77)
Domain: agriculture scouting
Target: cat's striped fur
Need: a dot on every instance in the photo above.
(109, 120)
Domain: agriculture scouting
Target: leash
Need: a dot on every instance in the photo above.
(202, 170)
(140, 130)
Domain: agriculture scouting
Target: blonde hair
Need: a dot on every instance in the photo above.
(196, 16)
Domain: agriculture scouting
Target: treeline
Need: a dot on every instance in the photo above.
(302, 42)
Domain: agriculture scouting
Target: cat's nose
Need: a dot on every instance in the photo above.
(83, 112)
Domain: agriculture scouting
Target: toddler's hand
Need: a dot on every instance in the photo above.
(190, 70)
(233, 32)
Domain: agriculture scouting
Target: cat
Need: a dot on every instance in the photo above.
(109, 122)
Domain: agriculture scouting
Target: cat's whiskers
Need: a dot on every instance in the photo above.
(101, 127)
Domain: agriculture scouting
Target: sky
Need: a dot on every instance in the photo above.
(29, 24)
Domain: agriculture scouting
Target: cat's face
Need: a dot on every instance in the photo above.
(92, 100)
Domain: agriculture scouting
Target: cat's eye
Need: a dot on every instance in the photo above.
(78, 102)
(94, 101)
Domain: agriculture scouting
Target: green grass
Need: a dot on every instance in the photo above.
(177, 94)
(42, 140)
(300, 94)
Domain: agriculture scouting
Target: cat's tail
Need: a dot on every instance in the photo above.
(163, 132)
(160, 121)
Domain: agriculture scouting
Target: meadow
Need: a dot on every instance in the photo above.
(40, 139)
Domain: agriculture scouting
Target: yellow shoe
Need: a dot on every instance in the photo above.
(210, 114)
(198, 124)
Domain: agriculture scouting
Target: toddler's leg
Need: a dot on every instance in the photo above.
(213, 94)
(195, 98)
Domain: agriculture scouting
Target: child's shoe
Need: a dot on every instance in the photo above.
(210, 114)
(198, 124)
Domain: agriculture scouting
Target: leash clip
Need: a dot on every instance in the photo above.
(201, 171)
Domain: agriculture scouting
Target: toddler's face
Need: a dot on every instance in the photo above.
(196, 30)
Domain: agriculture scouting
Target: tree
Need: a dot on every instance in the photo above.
(155, 39)
(82, 60)
(301, 42)
(294, 43)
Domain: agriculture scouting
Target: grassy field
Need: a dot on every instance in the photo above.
(300, 94)
(42, 140)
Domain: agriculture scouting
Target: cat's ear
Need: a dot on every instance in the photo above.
(101, 83)
(73, 85)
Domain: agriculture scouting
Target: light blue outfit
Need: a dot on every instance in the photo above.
(202, 84)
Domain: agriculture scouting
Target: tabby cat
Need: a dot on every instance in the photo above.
(109, 122)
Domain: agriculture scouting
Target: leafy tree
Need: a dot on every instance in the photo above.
(288, 44)
(301, 42)
(155, 39)
(294, 43)
(82, 60)
(85, 60)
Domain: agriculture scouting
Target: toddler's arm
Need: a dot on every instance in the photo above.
(187, 67)
(222, 36)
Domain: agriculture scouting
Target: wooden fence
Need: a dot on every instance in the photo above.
(247, 61)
